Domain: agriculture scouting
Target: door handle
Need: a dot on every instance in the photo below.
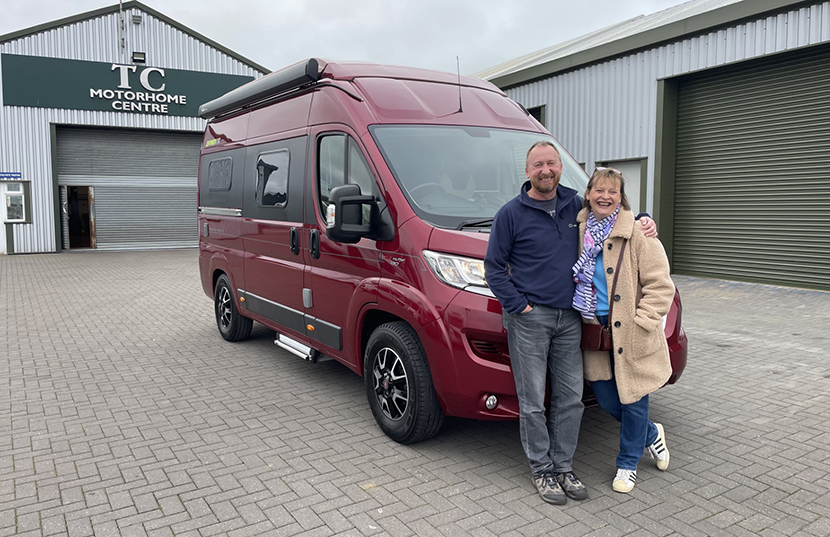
(295, 241)
(314, 245)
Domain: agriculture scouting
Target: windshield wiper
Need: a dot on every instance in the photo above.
(483, 222)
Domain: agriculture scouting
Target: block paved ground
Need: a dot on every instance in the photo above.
(123, 412)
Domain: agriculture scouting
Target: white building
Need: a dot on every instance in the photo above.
(718, 114)
(99, 131)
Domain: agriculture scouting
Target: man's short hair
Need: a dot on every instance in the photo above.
(541, 143)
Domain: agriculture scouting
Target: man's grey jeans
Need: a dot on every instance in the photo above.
(547, 340)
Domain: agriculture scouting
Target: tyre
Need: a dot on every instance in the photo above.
(232, 325)
(399, 384)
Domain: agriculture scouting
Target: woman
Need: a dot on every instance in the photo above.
(638, 363)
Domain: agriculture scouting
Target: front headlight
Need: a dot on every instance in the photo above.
(462, 272)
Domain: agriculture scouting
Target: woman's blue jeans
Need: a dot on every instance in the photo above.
(636, 430)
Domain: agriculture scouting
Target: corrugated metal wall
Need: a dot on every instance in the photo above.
(25, 132)
(608, 111)
(98, 40)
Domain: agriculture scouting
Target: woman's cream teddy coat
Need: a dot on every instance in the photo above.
(643, 296)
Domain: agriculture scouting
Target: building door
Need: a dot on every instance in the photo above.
(144, 184)
(78, 222)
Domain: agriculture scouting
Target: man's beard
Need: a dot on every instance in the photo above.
(545, 188)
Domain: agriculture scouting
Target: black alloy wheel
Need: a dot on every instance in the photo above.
(390, 384)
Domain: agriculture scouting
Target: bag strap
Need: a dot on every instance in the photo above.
(614, 285)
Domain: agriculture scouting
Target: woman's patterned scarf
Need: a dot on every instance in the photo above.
(585, 297)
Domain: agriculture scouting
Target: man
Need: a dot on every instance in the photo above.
(533, 247)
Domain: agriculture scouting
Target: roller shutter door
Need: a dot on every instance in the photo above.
(144, 184)
(752, 196)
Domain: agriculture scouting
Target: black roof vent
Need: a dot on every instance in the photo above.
(290, 78)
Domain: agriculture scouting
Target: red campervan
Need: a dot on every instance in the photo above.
(348, 207)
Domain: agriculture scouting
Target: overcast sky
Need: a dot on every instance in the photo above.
(417, 33)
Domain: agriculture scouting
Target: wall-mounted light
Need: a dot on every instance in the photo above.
(139, 57)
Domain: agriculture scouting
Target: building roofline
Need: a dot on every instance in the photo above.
(126, 5)
(648, 39)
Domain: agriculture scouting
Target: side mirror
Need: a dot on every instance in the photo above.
(344, 216)
(346, 202)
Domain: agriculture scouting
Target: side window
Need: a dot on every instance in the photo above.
(272, 179)
(220, 173)
(331, 165)
(337, 154)
(359, 173)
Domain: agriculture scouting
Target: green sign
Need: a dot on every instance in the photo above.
(78, 85)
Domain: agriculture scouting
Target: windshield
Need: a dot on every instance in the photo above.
(452, 175)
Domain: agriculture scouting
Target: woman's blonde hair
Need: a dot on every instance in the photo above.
(612, 175)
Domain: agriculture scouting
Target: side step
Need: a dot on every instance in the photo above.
(296, 348)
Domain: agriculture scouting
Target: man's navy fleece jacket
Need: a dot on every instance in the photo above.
(530, 254)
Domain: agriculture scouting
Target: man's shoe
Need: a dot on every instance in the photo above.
(658, 450)
(624, 481)
(573, 487)
(549, 488)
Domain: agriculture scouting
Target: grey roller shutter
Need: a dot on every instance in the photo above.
(160, 217)
(144, 182)
(752, 196)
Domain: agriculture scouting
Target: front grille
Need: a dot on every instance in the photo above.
(491, 351)
(484, 347)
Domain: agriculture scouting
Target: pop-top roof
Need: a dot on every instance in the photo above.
(305, 73)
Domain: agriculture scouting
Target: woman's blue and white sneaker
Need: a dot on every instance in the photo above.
(624, 481)
(658, 450)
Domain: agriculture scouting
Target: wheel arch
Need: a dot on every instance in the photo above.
(372, 318)
(219, 265)
(217, 273)
(401, 302)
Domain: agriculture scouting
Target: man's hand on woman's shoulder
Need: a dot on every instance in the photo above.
(649, 226)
